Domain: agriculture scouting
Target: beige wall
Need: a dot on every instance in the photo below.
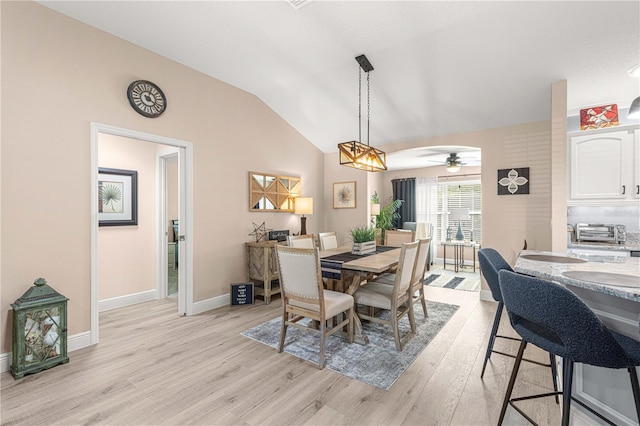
(58, 76)
(127, 254)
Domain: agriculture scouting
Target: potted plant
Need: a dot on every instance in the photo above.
(388, 215)
(364, 240)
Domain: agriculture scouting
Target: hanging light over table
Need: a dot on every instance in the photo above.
(354, 153)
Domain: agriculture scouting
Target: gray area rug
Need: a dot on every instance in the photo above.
(378, 363)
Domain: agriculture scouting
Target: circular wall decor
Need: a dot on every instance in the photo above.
(146, 98)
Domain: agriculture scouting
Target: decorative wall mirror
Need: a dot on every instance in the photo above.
(272, 193)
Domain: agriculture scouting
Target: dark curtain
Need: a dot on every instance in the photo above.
(405, 190)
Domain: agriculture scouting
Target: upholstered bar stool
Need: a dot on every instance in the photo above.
(492, 262)
(554, 319)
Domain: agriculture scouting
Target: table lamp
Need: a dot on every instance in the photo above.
(304, 205)
(375, 211)
(459, 215)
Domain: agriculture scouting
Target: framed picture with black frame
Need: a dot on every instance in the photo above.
(117, 197)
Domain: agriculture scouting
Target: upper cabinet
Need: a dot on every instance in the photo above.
(605, 167)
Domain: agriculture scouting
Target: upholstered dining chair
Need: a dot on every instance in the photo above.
(492, 262)
(300, 241)
(554, 319)
(417, 280)
(304, 297)
(395, 238)
(396, 298)
(328, 240)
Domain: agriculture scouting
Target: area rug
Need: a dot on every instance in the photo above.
(378, 363)
(466, 281)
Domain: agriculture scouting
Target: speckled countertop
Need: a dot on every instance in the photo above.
(629, 266)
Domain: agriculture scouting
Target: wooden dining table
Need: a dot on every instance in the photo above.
(346, 272)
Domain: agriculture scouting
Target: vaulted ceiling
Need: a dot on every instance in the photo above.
(440, 67)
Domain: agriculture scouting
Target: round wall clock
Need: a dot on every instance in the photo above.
(146, 98)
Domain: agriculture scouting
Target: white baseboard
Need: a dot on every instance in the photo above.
(209, 304)
(126, 300)
(75, 342)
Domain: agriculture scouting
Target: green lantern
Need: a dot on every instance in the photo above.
(39, 330)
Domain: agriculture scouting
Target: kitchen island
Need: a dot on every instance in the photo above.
(610, 286)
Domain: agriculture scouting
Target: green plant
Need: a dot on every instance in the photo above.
(362, 234)
(388, 215)
(374, 198)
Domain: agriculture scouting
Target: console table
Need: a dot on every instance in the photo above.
(262, 268)
(458, 253)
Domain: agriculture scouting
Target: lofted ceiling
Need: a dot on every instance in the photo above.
(440, 67)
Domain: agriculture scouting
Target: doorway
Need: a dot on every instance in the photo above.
(184, 152)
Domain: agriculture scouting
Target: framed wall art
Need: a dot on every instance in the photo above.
(513, 181)
(117, 197)
(598, 117)
(344, 195)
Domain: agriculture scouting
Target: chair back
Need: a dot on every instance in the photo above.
(556, 320)
(421, 263)
(397, 238)
(406, 267)
(300, 274)
(492, 262)
(300, 241)
(328, 240)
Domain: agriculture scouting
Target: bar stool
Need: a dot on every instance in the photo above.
(491, 262)
(554, 319)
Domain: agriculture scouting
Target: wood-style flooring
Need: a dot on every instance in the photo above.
(153, 367)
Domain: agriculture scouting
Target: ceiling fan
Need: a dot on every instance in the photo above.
(453, 162)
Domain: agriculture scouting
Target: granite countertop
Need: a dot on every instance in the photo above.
(597, 266)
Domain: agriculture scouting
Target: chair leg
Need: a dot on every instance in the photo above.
(323, 340)
(492, 337)
(554, 374)
(396, 330)
(512, 381)
(567, 382)
(424, 302)
(350, 326)
(636, 389)
(283, 329)
(412, 317)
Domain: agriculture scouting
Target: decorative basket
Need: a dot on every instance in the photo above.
(364, 248)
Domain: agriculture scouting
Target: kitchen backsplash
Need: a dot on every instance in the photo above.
(619, 215)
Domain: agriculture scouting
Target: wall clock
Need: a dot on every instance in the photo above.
(146, 98)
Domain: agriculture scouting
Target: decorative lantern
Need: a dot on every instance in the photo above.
(39, 330)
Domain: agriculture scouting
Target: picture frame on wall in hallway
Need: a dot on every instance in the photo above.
(117, 197)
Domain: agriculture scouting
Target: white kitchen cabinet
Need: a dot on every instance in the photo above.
(604, 167)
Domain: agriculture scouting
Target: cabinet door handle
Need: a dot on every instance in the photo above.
(637, 189)
(623, 189)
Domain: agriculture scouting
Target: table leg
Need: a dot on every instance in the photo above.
(444, 255)
(358, 333)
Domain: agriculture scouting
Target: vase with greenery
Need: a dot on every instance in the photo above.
(364, 239)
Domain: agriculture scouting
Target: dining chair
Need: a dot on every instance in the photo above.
(417, 280)
(554, 319)
(395, 238)
(300, 241)
(396, 298)
(328, 240)
(304, 297)
(491, 263)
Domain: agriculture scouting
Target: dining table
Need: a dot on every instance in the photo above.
(610, 287)
(346, 271)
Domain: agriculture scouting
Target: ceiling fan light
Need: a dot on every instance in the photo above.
(634, 109)
(452, 168)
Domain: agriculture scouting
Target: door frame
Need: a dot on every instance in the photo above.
(185, 172)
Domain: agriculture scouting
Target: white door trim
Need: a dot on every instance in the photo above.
(186, 205)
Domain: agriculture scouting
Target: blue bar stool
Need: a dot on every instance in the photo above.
(556, 320)
(491, 262)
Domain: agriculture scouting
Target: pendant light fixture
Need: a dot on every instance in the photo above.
(354, 153)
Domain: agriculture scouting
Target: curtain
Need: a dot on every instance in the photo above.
(405, 190)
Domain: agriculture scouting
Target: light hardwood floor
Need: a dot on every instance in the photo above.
(153, 367)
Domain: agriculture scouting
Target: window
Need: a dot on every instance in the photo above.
(434, 201)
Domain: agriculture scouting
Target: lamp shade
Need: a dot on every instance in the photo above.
(459, 214)
(634, 109)
(375, 209)
(304, 205)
